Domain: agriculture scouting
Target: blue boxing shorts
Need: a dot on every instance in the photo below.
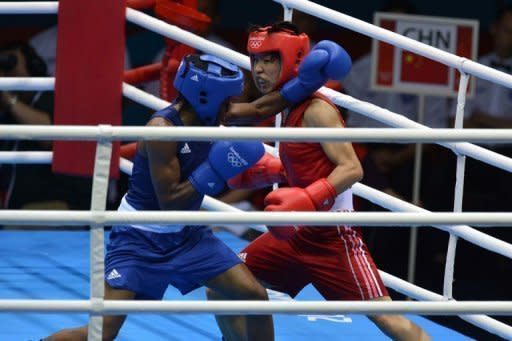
(147, 262)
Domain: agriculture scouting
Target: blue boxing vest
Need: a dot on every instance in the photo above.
(141, 195)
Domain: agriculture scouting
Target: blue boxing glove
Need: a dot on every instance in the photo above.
(225, 160)
(327, 60)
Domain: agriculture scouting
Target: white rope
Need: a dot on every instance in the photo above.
(29, 7)
(123, 133)
(391, 219)
(26, 157)
(502, 308)
(27, 83)
(48, 84)
(126, 166)
(142, 97)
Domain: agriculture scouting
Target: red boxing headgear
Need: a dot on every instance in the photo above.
(291, 47)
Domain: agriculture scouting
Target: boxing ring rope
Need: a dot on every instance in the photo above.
(122, 133)
(464, 65)
(381, 219)
(112, 307)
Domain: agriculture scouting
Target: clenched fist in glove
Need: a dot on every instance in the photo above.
(225, 160)
(327, 60)
(319, 196)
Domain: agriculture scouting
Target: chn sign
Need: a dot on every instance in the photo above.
(397, 70)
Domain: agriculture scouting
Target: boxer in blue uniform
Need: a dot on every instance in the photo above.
(142, 260)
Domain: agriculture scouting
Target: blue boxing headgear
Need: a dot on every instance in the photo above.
(206, 82)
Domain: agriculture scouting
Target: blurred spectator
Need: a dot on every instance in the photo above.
(29, 186)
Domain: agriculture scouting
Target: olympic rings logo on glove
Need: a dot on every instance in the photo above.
(234, 160)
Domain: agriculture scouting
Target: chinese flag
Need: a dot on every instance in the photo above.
(419, 69)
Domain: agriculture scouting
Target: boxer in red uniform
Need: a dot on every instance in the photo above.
(320, 175)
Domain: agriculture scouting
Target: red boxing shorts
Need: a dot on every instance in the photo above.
(335, 260)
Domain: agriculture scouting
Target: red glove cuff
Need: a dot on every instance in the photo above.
(322, 193)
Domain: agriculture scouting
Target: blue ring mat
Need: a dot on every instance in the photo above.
(55, 265)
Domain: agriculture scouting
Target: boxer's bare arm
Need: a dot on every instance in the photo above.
(255, 111)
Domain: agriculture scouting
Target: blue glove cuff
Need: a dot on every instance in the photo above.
(295, 91)
(206, 181)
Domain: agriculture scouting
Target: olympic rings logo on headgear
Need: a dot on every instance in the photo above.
(290, 46)
(255, 43)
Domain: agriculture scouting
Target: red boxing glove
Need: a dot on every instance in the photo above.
(319, 196)
(267, 171)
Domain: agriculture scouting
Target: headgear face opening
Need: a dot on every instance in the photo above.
(206, 82)
(291, 48)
